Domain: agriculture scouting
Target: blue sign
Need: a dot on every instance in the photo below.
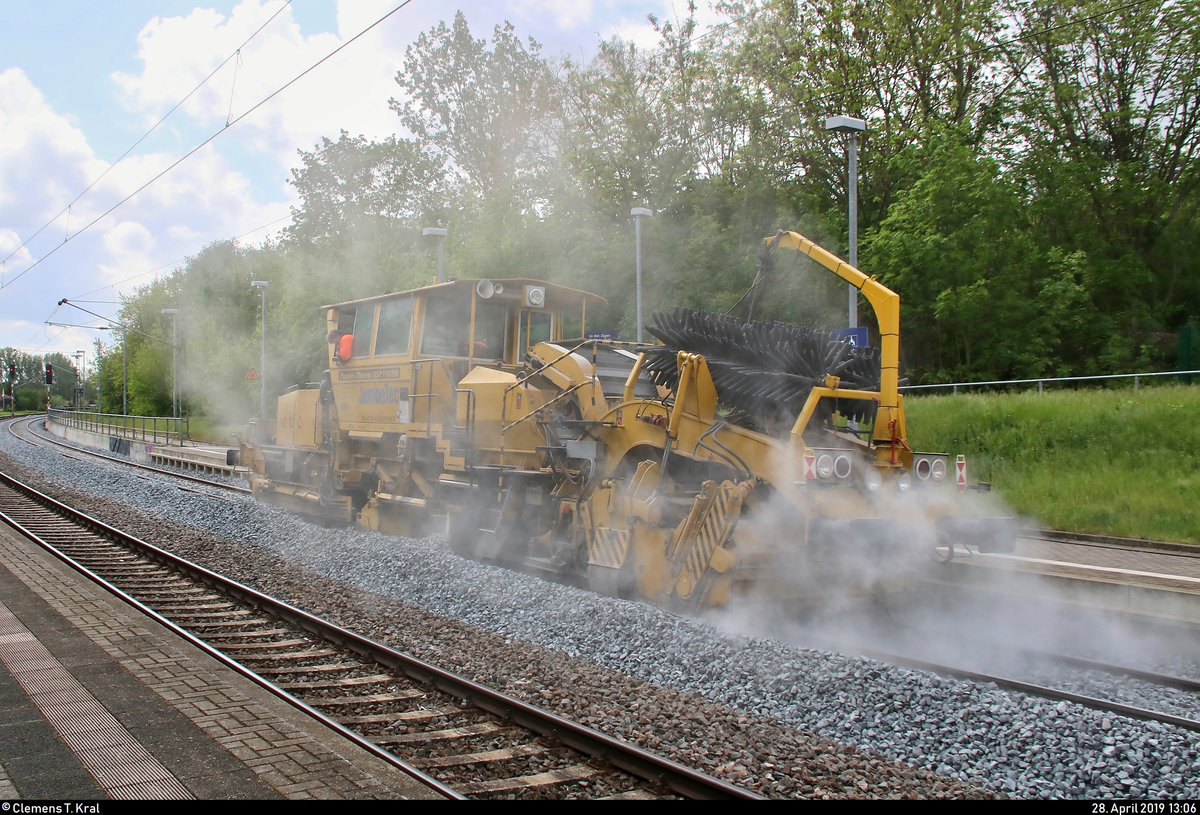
(601, 335)
(856, 336)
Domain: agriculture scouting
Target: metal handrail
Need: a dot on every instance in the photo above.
(448, 420)
(154, 429)
(1046, 379)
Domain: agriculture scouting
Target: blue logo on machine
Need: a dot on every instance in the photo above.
(856, 336)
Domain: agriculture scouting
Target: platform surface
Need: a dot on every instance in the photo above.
(100, 702)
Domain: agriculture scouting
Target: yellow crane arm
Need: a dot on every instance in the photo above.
(887, 312)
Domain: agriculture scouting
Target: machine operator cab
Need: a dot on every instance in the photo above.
(480, 321)
(399, 358)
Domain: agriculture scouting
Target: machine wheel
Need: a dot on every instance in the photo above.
(943, 550)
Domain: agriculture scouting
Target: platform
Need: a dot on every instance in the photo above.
(100, 702)
(163, 451)
(1130, 579)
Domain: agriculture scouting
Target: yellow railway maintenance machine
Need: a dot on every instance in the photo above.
(730, 458)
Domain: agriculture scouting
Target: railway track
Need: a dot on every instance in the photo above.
(461, 738)
(855, 717)
(26, 430)
(1062, 678)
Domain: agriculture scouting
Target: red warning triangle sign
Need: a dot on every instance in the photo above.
(253, 375)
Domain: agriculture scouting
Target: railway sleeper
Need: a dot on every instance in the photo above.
(284, 670)
(334, 684)
(271, 648)
(487, 757)
(369, 699)
(247, 635)
(449, 734)
(567, 775)
(424, 714)
(229, 627)
(199, 617)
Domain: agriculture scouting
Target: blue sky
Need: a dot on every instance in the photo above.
(81, 82)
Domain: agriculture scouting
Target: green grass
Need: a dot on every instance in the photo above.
(1109, 461)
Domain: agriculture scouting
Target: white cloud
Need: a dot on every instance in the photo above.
(45, 163)
(44, 160)
(566, 14)
(237, 183)
(349, 90)
(129, 239)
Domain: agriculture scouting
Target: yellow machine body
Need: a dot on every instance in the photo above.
(460, 409)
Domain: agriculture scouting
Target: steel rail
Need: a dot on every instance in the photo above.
(29, 422)
(630, 758)
(1033, 689)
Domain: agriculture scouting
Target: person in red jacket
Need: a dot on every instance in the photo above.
(343, 345)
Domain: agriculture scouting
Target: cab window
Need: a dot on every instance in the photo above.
(446, 329)
(491, 324)
(535, 328)
(395, 326)
(364, 324)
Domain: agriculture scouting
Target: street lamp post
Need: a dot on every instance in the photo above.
(638, 213)
(261, 285)
(440, 234)
(174, 360)
(124, 372)
(851, 127)
(78, 380)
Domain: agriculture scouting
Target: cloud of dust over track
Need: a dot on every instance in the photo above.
(895, 592)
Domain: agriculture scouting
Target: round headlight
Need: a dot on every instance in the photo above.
(923, 467)
(825, 466)
(939, 470)
(872, 480)
(842, 466)
(904, 482)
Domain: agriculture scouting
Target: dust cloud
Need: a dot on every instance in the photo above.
(890, 585)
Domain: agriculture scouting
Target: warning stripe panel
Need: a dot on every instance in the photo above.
(713, 531)
(608, 547)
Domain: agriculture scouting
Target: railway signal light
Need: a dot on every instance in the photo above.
(12, 373)
(49, 374)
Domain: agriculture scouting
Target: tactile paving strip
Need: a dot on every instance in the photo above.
(114, 758)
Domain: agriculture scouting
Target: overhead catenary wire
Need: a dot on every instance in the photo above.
(169, 264)
(209, 140)
(67, 209)
(50, 339)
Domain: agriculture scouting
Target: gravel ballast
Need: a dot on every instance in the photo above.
(786, 721)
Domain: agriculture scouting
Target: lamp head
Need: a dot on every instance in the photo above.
(845, 124)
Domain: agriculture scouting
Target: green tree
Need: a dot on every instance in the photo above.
(1108, 111)
(981, 299)
(907, 67)
(487, 112)
(353, 188)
